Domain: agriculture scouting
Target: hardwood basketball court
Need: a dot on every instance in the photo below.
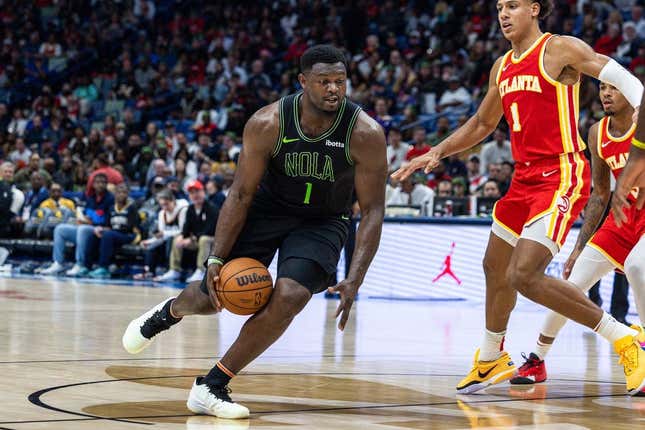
(395, 367)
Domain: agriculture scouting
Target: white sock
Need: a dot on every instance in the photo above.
(492, 345)
(542, 349)
(612, 330)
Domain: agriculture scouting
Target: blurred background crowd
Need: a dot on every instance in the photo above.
(115, 108)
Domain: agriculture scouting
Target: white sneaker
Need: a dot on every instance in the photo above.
(214, 401)
(197, 275)
(138, 336)
(77, 270)
(54, 269)
(169, 276)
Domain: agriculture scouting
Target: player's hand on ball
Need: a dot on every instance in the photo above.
(212, 281)
(427, 162)
(568, 265)
(347, 291)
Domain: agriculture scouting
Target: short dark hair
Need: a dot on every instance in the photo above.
(327, 54)
(103, 159)
(509, 164)
(546, 7)
(165, 194)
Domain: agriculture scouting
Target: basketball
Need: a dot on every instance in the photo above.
(245, 286)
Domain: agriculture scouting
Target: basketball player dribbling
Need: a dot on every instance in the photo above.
(535, 86)
(301, 160)
(610, 247)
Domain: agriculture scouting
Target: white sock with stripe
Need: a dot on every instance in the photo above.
(612, 330)
(542, 349)
(492, 345)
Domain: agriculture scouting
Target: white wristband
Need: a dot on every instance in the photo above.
(629, 85)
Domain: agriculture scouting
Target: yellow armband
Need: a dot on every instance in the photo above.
(637, 143)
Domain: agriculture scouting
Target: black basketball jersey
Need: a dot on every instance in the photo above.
(311, 176)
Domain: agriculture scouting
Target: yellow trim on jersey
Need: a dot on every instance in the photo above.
(562, 92)
(563, 112)
(504, 226)
(575, 196)
(501, 67)
(601, 127)
(621, 138)
(582, 145)
(528, 51)
(562, 189)
(605, 254)
(637, 143)
(543, 72)
(538, 216)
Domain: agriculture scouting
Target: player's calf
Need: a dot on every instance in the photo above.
(193, 300)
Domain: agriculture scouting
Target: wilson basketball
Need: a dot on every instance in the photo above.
(245, 286)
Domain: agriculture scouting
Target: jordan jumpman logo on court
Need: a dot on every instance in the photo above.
(447, 267)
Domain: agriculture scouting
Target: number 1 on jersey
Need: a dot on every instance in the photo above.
(308, 192)
(516, 117)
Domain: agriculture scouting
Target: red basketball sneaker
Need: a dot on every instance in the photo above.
(532, 371)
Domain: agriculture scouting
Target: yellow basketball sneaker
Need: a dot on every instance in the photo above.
(485, 373)
(631, 350)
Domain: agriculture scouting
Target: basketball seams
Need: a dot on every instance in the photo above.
(244, 291)
(229, 291)
(255, 308)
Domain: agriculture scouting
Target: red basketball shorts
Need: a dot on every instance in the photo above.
(616, 243)
(553, 190)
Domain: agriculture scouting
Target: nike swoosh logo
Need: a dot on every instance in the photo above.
(485, 374)
(285, 140)
(345, 217)
(546, 174)
(506, 67)
(602, 145)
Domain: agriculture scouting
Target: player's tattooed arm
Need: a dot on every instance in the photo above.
(597, 203)
(600, 195)
(367, 148)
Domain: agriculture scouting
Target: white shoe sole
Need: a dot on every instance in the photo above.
(133, 341)
(233, 412)
(485, 384)
(197, 407)
(50, 273)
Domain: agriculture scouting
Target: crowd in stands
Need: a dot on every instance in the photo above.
(121, 120)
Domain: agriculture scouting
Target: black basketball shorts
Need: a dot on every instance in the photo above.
(309, 248)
